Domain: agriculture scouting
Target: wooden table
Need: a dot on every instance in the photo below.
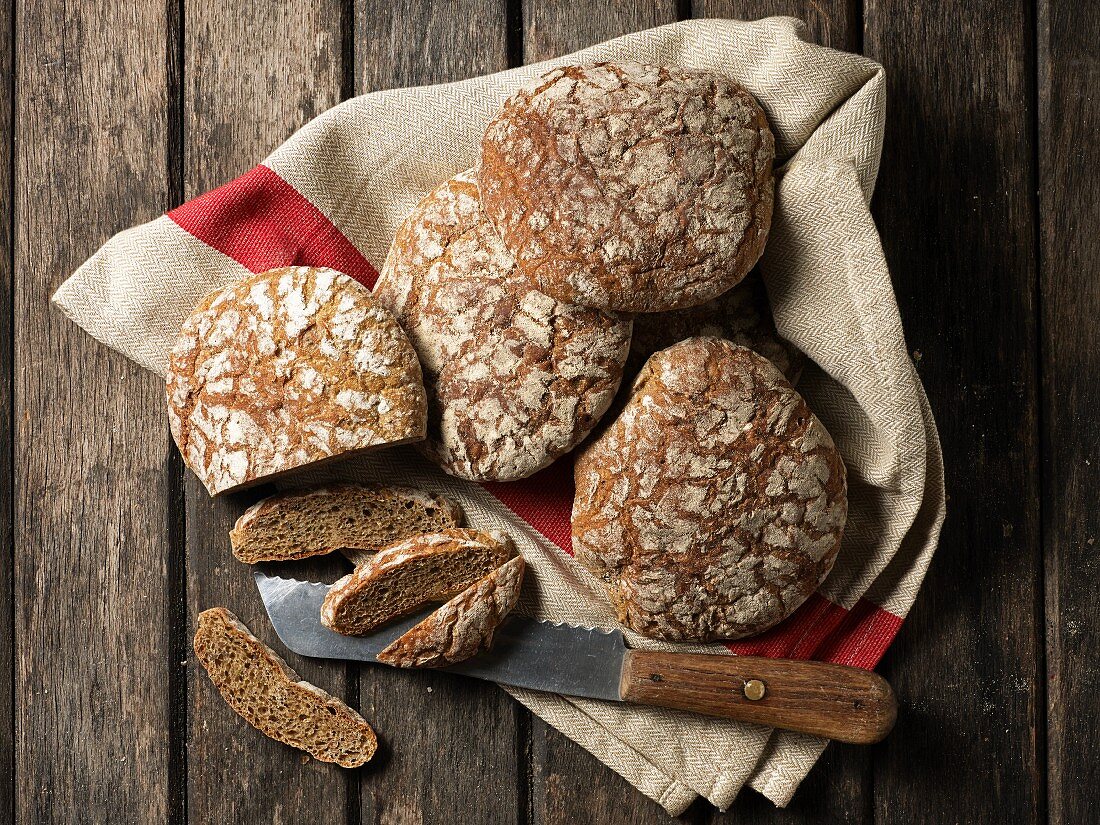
(988, 202)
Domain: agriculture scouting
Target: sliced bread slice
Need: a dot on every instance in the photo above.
(410, 574)
(356, 519)
(463, 626)
(262, 688)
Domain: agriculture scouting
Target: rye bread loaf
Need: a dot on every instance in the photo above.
(514, 378)
(286, 368)
(406, 576)
(742, 315)
(630, 187)
(355, 519)
(715, 503)
(262, 688)
(463, 626)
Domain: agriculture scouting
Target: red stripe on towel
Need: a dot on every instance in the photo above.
(262, 222)
(544, 500)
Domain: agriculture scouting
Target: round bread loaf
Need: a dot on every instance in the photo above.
(742, 315)
(286, 368)
(714, 504)
(630, 187)
(514, 378)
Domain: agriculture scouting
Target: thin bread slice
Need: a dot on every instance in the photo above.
(410, 574)
(463, 626)
(262, 688)
(356, 519)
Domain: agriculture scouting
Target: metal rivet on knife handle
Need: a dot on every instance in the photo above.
(754, 690)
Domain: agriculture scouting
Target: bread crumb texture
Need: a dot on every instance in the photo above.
(628, 186)
(514, 378)
(462, 627)
(410, 574)
(286, 368)
(262, 688)
(347, 517)
(715, 503)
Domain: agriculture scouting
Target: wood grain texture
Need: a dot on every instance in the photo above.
(420, 42)
(555, 27)
(7, 468)
(839, 788)
(253, 73)
(90, 439)
(1069, 198)
(841, 703)
(449, 744)
(833, 23)
(955, 205)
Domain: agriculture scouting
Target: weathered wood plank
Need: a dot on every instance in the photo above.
(569, 784)
(91, 513)
(451, 743)
(7, 469)
(955, 207)
(839, 788)
(1069, 198)
(834, 23)
(252, 73)
(554, 27)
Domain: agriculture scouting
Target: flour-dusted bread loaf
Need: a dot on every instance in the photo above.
(463, 626)
(742, 315)
(630, 187)
(286, 368)
(354, 519)
(714, 504)
(407, 575)
(262, 688)
(514, 378)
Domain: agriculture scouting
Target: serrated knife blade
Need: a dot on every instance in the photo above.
(838, 702)
(526, 653)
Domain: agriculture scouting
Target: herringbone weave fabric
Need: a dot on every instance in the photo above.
(364, 164)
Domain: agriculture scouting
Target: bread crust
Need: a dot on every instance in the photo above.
(463, 626)
(272, 710)
(384, 589)
(286, 368)
(252, 541)
(630, 187)
(715, 503)
(742, 315)
(514, 378)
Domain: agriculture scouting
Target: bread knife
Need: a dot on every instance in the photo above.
(834, 701)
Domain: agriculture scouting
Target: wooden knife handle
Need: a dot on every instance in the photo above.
(843, 703)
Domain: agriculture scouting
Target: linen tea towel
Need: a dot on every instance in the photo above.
(334, 194)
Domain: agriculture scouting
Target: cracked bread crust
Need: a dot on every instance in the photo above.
(630, 187)
(715, 503)
(408, 574)
(741, 315)
(285, 368)
(463, 626)
(514, 378)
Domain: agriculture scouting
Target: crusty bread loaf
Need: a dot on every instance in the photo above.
(352, 518)
(630, 187)
(286, 368)
(715, 503)
(262, 688)
(463, 626)
(742, 315)
(410, 574)
(514, 378)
